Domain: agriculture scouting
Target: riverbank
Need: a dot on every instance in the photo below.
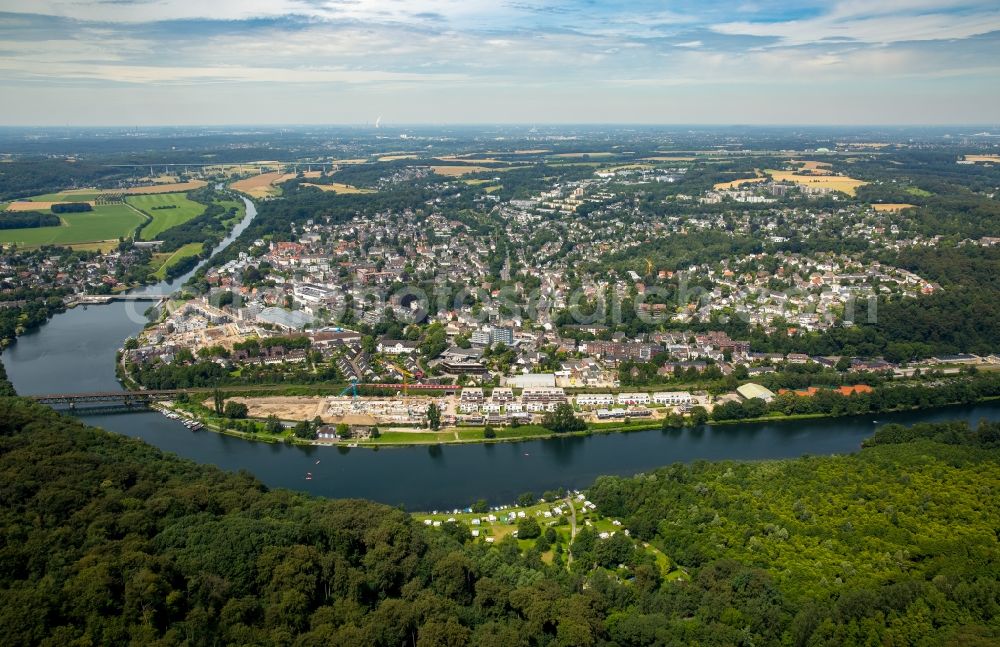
(397, 437)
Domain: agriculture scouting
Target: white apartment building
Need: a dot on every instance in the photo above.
(633, 398)
(672, 397)
(595, 399)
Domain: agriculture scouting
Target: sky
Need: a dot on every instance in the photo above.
(209, 62)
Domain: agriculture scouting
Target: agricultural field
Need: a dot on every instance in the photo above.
(73, 195)
(102, 246)
(892, 207)
(470, 160)
(816, 168)
(178, 187)
(266, 184)
(735, 183)
(166, 261)
(105, 223)
(983, 159)
(627, 167)
(842, 183)
(458, 170)
(28, 205)
(598, 154)
(179, 209)
(337, 187)
(669, 158)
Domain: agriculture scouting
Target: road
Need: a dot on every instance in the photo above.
(572, 528)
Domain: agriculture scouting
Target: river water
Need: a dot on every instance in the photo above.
(75, 352)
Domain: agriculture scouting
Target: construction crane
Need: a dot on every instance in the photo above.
(406, 376)
(352, 388)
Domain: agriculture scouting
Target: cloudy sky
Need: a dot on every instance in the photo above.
(140, 62)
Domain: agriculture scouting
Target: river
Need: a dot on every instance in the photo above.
(75, 352)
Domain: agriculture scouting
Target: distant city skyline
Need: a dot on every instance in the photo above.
(177, 62)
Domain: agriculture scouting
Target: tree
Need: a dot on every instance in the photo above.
(219, 401)
(235, 410)
(480, 506)
(843, 364)
(343, 431)
(528, 528)
(489, 433)
(433, 416)
(699, 415)
(272, 425)
(673, 421)
(304, 430)
(525, 499)
(611, 552)
(562, 420)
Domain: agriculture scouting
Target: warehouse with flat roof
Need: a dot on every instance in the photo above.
(751, 390)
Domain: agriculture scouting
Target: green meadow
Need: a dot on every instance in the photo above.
(105, 222)
(179, 210)
(169, 260)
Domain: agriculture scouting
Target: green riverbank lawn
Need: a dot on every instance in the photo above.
(105, 222)
(166, 209)
(168, 260)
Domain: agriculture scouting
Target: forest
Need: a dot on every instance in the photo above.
(28, 220)
(29, 176)
(107, 540)
(29, 315)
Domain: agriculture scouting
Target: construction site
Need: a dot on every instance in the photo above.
(348, 408)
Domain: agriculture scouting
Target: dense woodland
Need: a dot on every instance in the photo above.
(106, 540)
(27, 315)
(27, 220)
(26, 177)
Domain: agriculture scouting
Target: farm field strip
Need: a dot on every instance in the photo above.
(265, 184)
(892, 207)
(457, 171)
(843, 183)
(337, 187)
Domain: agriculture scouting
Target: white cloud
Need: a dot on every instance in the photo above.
(875, 22)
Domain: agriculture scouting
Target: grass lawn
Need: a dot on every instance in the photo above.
(398, 437)
(241, 210)
(168, 260)
(105, 222)
(163, 219)
(504, 433)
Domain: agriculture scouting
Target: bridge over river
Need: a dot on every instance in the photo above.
(99, 299)
(145, 397)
